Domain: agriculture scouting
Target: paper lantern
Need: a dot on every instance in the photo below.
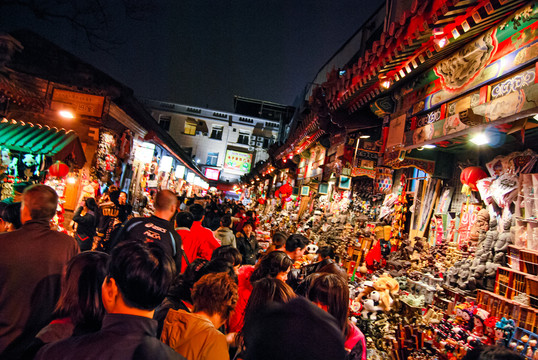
(469, 176)
(58, 169)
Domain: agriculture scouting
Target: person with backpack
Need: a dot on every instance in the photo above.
(156, 228)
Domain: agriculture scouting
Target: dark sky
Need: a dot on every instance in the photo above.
(203, 52)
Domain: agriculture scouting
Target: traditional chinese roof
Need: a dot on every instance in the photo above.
(411, 45)
(41, 139)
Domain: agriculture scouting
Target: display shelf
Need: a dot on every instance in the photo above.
(524, 348)
(509, 282)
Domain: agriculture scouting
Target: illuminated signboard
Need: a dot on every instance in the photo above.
(144, 152)
(212, 174)
(166, 163)
(180, 171)
(237, 161)
(190, 178)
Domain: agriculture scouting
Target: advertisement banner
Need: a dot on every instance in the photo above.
(237, 161)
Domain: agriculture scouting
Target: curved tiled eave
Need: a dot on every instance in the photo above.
(409, 53)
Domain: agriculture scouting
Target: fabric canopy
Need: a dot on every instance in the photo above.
(39, 139)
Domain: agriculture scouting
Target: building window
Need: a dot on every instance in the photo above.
(243, 138)
(164, 122)
(266, 143)
(212, 159)
(190, 127)
(216, 133)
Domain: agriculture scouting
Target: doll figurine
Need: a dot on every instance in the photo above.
(480, 316)
(467, 316)
(489, 330)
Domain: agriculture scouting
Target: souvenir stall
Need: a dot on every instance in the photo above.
(33, 153)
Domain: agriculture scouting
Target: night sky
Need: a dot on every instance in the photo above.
(202, 53)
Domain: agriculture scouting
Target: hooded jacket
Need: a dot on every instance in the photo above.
(226, 236)
(194, 336)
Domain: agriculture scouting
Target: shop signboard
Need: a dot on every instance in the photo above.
(144, 152)
(212, 174)
(166, 163)
(237, 161)
(190, 178)
(180, 172)
(80, 103)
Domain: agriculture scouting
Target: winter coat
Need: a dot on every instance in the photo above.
(85, 228)
(244, 289)
(226, 236)
(248, 248)
(194, 336)
(355, 344)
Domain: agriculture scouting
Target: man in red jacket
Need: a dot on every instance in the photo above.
(199, 242)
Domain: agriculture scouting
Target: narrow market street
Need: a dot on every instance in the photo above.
(371, 193)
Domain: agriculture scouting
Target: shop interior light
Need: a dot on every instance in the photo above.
(429, 146)
(364, 136)
(66, 114)
(480, 139)
(385, 84)
(536, 117)
(71, 180)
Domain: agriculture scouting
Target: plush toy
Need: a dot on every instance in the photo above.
(371, 306)
(503, 331)
(387, 288)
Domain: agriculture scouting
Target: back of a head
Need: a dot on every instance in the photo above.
(228, 253)
(295, 330)
(271, 265)
(184, 219)
(296, 241)
(80, 298)
(331, 290)
(492, 353)
(197, 212)
(41, 201)
(164, 200)
(12, 214)
(326, 252)
(91, 204)
(143, 273)
(217, 265)
(215, 294)
(226, 221)
(268, 290)
(279, 239)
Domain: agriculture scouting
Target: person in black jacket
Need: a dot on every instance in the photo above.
(247, 244)
(138, 278)
(85, 223)
(156, 228)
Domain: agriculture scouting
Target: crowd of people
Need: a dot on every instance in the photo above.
(189, 282)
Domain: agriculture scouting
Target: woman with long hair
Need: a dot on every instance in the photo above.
(264, 292)
(330, 292)
(276, 265)
(80, 309)
(86, 218)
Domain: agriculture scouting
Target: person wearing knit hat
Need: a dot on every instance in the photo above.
(296, 330)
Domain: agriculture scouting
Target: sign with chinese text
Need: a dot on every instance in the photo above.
(237, 161)
(80, 103)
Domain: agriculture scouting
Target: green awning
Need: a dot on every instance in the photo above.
(41, 139)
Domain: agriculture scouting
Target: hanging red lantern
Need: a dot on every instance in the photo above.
(58, 169)
(469, 176)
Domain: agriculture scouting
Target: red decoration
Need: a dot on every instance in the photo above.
(469, 176)
(58, 169)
